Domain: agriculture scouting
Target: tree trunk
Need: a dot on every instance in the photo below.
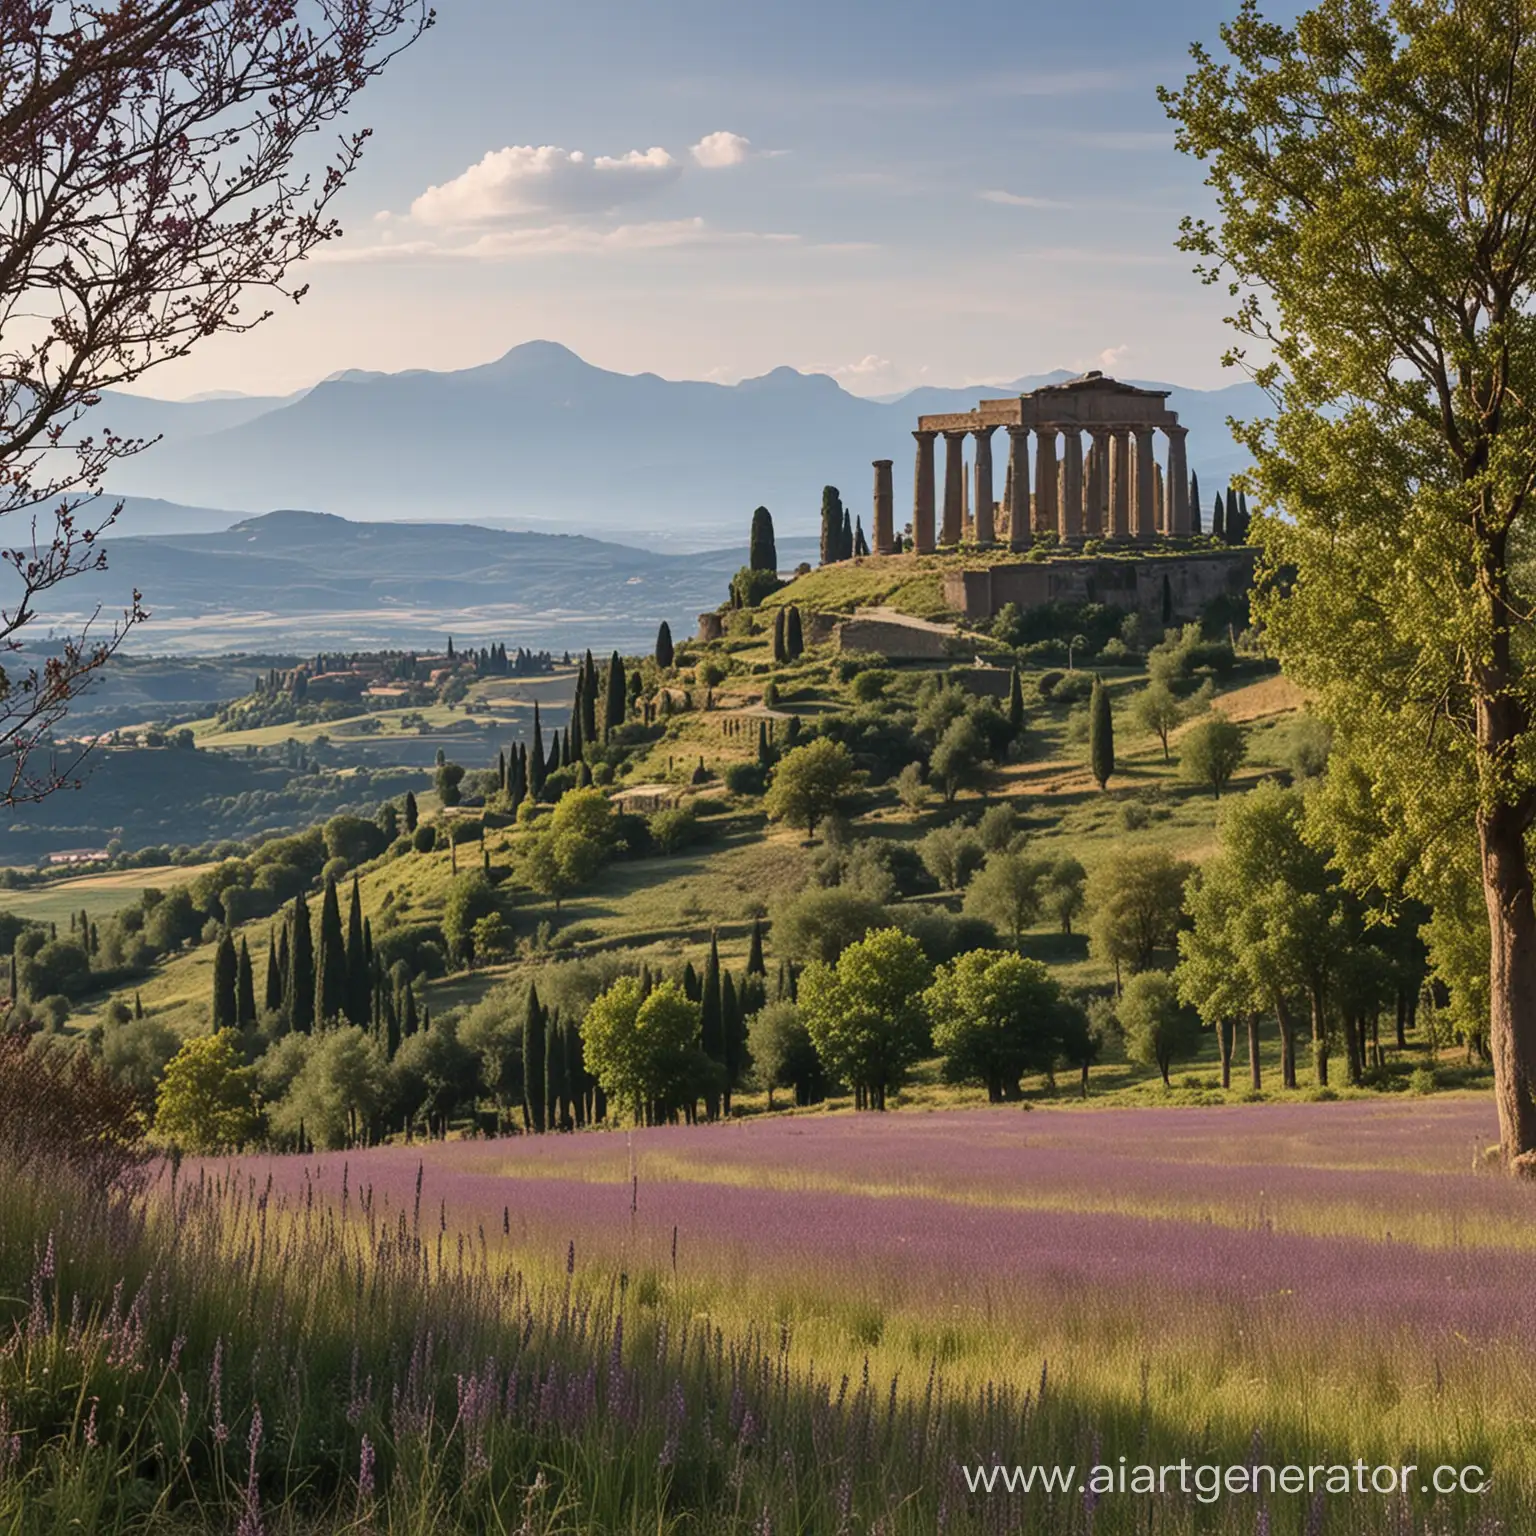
(1402, 1018)
(1319, 1037)
(1224, 1034)
(1255, 1072)
(1162, 1066)
(1287, 1043)
(1085, 1079)
(1511, 983)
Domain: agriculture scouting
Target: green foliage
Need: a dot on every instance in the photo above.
(1159, 1030)
(821, 924)
(1156, 711)
(1135, 899)
(996, 1016)
(206, 1101)
(750, 585)
(783, 1055)
(471, 899)
(951, 855)
(762, 551)
(1211, 752)
(642, 1049)
(338, 1093)
(354, 838)
(676, 828)
(810, 783)
(448, 778)
(1009, 891)
(664, 647)
(866, 1015)
(957, 758)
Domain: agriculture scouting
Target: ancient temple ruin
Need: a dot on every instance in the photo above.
(1110, 487)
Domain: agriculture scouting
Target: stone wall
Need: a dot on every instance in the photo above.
(1134, 584)
(892, 639)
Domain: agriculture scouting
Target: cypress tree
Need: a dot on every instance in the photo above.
(536, 757)
(831, 524)
(664, 651)
(762, 551)
(391, 1026)
(359, 983)
(409, 1022)
(138, 1003)
(575, 1073)
(794, 640)
(755, 965)
(764, 751)
(845, 541)
(1219, 520)
(274, 997)
(245, 989)
(860, 546)
(563, 747)
(552, 762)
(1167, 601)
(410, 811)
(517, 773)
(533, 1061)
(1194, 502)
(691, 988)
(730, 1034)
(1015, 704)
(613, 713)
(225, 969)
(1101, 734)
(501, 771)
(711, 1034)
(583, 776)
(556, 1089)
(780, 654)
(646, 983)
(331, 960)
(591, 696)
(575, 739)
(301, 969)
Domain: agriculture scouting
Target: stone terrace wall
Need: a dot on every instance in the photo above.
(1135, 584)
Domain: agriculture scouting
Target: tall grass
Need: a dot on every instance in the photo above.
(220, 1354)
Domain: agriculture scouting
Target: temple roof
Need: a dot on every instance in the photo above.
(1097, 382)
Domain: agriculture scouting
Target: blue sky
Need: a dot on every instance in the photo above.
(890, 192)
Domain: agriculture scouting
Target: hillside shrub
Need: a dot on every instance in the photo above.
(674, 829)
(746, 778)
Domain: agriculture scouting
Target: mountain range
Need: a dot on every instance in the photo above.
(540, 438)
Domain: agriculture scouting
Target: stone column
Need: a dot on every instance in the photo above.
(1071, 517)
(922, 494)
(986, 533)
(1045, 480)
(1159, 503)
(1119, 483)
(1178, 483)
(1143, 526)
(954, 488)
(1018, 477)
(1096, 494)
(885, 509)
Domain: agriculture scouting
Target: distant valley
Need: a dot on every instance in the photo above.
(306, 581)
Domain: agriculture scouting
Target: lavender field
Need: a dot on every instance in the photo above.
(809, 1324)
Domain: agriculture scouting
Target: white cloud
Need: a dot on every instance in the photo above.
(1019, 200)
(715, 151)
(522, 179)
(1111, 357)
